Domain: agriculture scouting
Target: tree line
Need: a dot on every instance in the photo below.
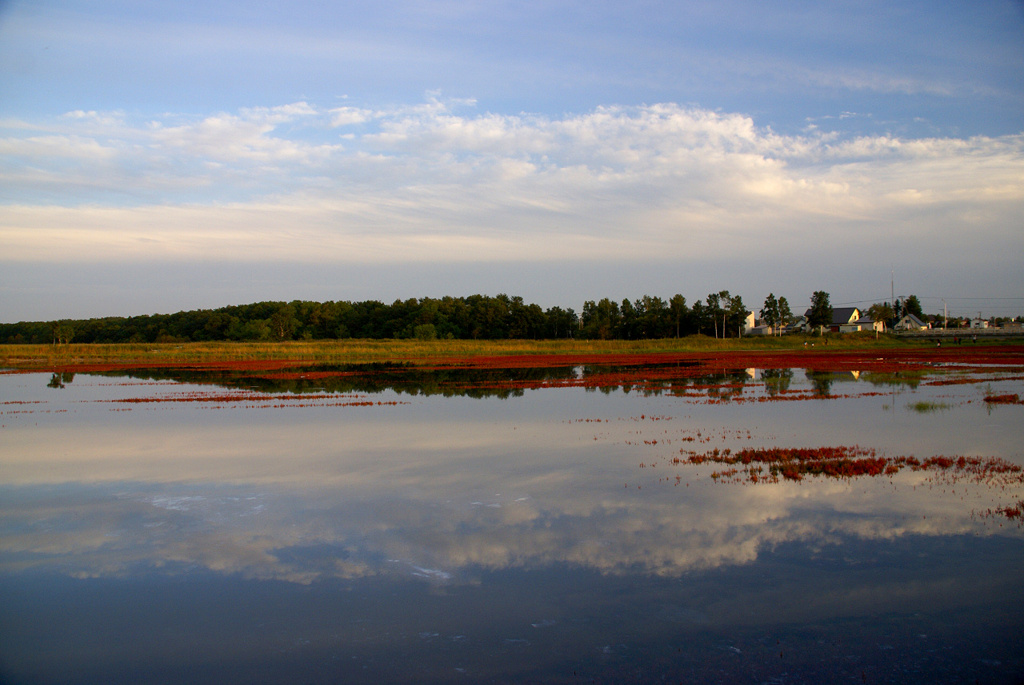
(479, 317)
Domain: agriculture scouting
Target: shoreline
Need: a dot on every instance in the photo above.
(840, 351)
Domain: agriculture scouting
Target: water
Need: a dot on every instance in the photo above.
(218, 528)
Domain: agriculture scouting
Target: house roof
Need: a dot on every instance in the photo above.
(844, 314)
(840, 315)
(910, 318)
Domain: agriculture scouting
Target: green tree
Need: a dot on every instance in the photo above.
(820, 314)
(283, 322)
(735, 315)
(679, 311)
(560, 323)
(717, 305)
(425, 331)
(770, 311)
(63, 331)
(785, 313)
(881, 311)
(628, 321)
(455, 315)
(700, 316)
(651, 318)
(491, 317)
(912, 305)
(249, 330)
(600, 319)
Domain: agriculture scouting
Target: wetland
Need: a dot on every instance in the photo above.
(778, 516)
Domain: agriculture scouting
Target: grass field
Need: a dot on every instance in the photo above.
(365, 351)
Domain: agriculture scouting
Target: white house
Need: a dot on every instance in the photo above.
(841, 316)
(909, 322)
(749, 324)
(864, 323)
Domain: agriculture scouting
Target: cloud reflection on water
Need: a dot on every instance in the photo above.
(304, 535)
(307, 494)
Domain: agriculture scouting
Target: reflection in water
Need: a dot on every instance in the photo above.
(777, 380)
(316, 534)
(654, 379)
(59, 380)
(385, 527)
(822, 381)
(370, 378)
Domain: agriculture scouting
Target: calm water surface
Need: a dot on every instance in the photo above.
(200, 530)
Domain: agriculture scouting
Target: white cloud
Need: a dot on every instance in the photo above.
(347, 116)
(66, 146)
(430, 182)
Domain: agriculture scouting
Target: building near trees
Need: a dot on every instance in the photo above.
(909, 322)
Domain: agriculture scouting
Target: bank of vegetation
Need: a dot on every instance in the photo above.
(362, 351)
(477, 317)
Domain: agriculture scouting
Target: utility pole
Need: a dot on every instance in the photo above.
(892, 294)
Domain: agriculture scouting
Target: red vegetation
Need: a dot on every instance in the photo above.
(260, 400)
(1015, 511)
(679, 374)
(1003, 399)
(711, 362)
(768, 464)
(690, 364)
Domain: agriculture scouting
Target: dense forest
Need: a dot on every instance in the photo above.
(473, 317)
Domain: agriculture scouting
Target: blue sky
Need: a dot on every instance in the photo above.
(157, 157)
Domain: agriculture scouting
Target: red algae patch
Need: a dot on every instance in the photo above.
(1003, 399)
(255, 400)
(775, 464)
(261, 365)
(1013, 512)
(769, 464)
(965, 358)
(819, 360)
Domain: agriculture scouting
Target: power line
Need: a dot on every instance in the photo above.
(933, 297)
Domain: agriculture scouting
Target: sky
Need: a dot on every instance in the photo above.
(158, 157)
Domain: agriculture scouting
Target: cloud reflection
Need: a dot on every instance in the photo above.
(309, 494)
(305, 535)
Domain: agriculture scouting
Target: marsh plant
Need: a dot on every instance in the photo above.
(928, 407)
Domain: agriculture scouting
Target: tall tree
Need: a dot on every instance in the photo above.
(560, 323)
(725, 305)
(785, 313)
(714, 309)
(628, 322)
(283, 322)
(677, 305)
(63, 331)
(653, 316)
(600, 319)
(881, 311)
(770, 311)
(699, 315)
(821, 310)
(735, 315)
(912, 305)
